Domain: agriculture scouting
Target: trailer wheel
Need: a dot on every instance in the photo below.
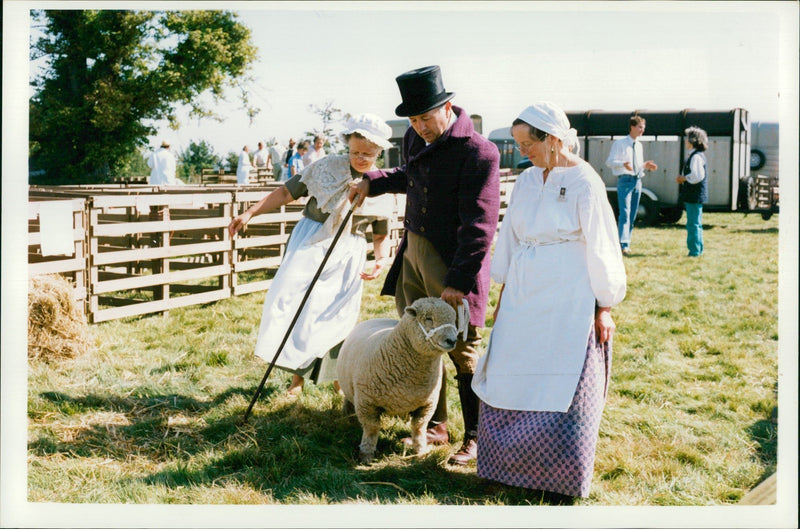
(648, 211)
(757, 159)
(670, 215)
(748, 197)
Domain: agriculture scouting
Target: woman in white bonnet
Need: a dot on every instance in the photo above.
(544, 378)
(333, 306)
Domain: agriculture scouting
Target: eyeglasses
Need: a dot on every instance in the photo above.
(365, 155)
(519, 148)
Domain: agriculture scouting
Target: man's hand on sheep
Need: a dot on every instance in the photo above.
(452, 296)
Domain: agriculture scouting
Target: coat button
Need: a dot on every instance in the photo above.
(424, 189)
(424, 210)
(422, 229)
(411, 183)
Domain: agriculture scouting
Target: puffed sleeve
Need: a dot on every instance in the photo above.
(603, 254)
(507, 240)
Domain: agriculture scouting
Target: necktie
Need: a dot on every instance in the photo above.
(635, 169)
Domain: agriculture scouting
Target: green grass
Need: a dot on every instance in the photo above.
(151, 416)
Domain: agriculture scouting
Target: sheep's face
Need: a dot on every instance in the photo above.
(435, 322)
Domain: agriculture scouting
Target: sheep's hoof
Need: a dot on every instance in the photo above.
(366, 458)
(422, 450)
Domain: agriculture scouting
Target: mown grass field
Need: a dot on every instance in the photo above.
(151, 416)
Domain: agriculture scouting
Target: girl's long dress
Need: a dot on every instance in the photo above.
(332, 308)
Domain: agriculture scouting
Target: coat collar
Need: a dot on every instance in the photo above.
(461, 128)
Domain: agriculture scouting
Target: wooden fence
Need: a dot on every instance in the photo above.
(142, 249)
(137, 249)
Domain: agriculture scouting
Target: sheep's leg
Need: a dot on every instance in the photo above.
(348, 408)
(370, 419)
(419, 422)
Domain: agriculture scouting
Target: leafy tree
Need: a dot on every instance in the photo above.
(195, 158)
(111, 74)
(232, 161)
(134, 164)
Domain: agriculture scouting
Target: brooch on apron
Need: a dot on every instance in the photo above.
(562, 195)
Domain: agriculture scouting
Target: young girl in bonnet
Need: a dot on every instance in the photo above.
(333, 306)
(543, 380)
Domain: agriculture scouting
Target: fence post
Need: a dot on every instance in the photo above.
(94, 219)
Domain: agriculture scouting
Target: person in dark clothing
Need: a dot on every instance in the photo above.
(693, 190)
(451, 179)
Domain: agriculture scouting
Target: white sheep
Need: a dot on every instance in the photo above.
(394, 367)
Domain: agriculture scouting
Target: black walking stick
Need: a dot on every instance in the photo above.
(299, 309)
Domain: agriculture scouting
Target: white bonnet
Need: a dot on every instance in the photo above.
(371, 127)
(549, 118)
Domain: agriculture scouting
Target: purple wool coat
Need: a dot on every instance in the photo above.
(452, 189)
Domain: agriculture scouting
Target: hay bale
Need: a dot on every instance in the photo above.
(57, 327)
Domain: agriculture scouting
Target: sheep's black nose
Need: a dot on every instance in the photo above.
(450, 342)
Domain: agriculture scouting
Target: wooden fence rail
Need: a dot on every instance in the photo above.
(140, 249)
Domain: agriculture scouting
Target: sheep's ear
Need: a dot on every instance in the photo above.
(412, 311)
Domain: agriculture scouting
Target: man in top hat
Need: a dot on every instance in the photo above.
(451, 179)
(162, 166)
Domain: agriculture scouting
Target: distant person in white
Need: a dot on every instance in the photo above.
(277, 155)
(627, 163)
(315, 152)
(261, 157)
(244, 166)
(162, 167)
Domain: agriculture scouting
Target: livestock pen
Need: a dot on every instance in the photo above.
(139, 249)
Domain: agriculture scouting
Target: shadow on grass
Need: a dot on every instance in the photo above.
(289, 452)
(765, 434)
(140, 426)
(757, 230)
(677, 226)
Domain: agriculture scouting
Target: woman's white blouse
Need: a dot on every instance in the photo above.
(558, 255)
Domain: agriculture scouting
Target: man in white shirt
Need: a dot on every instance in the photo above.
(243, 167)
(626, 161)
(261, 156)
(162, 166)
(277, 154)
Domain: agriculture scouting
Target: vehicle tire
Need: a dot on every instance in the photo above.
(766, 215)
(670, 215)
(648, 211)
(757, 159)
(748, 198)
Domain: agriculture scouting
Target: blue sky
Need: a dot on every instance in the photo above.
(499, 57)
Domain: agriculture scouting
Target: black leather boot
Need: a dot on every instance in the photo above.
(470, 404)
(469, 409)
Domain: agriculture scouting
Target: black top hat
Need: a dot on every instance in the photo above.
(422, 90)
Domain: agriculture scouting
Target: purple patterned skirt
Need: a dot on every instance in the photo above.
(543, 450)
